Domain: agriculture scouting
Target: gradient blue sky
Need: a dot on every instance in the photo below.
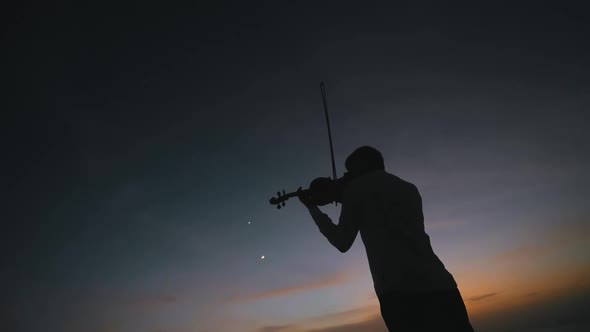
(144, 139)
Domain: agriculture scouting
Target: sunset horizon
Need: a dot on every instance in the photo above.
(144, 141)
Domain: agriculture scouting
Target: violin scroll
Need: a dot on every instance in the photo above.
(279, 201)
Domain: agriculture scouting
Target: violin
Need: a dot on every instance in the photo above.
(321, 191)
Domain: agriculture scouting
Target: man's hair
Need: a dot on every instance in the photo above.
(364, 159)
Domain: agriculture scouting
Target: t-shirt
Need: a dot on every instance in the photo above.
(387, 211)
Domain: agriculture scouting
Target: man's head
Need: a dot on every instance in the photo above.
(363, 160)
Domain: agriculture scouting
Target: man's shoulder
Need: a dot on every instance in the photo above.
(370, 181)
(378, 184)
(380, 179)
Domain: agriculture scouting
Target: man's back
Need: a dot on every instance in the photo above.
(391, 224)
(415, 291)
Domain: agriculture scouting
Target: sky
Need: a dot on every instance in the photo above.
(141, 144)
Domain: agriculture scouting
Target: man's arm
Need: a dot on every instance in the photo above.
(342, 235)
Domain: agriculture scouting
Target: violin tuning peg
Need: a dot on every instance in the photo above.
(283, 191)
(279, 193)
(283, 203)
(279, 206)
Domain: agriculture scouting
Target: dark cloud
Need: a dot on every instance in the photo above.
(374, 324)
(482, 297)
(274, 328)
(567, 313)
(326, 281)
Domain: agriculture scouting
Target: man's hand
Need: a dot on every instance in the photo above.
(304, 198)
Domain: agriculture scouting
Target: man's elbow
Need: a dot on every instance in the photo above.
(343, 247)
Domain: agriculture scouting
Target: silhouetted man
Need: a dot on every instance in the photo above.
(415, 291)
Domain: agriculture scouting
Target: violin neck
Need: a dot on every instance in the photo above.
(293, 194)
(281, 198)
